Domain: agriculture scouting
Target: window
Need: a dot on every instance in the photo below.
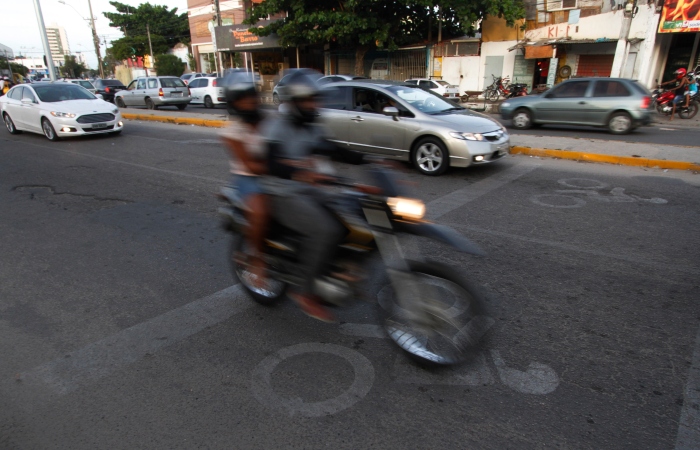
(610, 89)
(365, 100)
(203, 82)
(152, 83)
(16, 93)
(412, 82)
(334, 97)
(558, 5)
(194, 84)
(571, 89)
(425, 84)
(86, 84)
(132, 86)
(171, 83)
(111, 83)
(28, 94)
(141, 84)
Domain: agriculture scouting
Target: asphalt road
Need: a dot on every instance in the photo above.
(121, 326)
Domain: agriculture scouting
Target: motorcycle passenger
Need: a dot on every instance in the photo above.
(692, 88)
(248, 161)
(296, 203)
(681, 83)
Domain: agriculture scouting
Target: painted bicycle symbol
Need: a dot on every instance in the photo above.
(591, 190)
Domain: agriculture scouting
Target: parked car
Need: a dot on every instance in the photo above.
(333, 78)
(186, 78)
(619, 104)
(403, 122)
(107, 88)
(440, 87)
(275, 91)
(57, 110)
(84, 83)
(207, 91)
(154, 92)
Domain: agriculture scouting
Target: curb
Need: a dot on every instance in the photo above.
(606, 159)
(176, 120)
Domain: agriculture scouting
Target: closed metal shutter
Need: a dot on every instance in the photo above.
(594, 65)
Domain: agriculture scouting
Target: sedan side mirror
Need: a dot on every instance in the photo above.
(27, 101)
(391, 111)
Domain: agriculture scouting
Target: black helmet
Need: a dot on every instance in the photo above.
(299, 84)
(238, 84)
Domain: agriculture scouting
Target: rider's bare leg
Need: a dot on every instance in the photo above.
(258, 219)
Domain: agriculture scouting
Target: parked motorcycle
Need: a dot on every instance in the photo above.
(516, 90)
(434, 314)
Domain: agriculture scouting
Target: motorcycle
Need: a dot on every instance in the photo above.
(662, 100)
(434, 314)
(516, 90)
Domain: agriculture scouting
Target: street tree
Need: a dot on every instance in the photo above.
(169, 65)
(16, 67)
(72, 68)
(165, 25)
(370, 24)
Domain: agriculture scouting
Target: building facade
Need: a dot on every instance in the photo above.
(58, 43)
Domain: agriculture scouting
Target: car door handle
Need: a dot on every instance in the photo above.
(357, 119)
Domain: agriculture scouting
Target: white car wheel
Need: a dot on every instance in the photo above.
(10, 124)
(49, 132)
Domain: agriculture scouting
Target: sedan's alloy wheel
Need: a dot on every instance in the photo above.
(429, 157)
(49, 132)
(521, 120)
(9, 124)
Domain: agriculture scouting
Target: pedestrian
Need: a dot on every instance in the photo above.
(6, 85)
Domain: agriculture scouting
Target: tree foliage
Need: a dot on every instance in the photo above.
(16, 67)
(169, 65)
(166, 26)
(367, 24)
(72, 68)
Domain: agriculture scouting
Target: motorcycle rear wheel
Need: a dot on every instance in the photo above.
(271, 293)
(493, 96)
(455, 334)
(689, 112)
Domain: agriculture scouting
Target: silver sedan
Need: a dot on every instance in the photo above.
(410, 124)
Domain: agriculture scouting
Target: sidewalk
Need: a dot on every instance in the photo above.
(592, 150)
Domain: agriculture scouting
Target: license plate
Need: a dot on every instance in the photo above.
(176, 94)
(99, 125)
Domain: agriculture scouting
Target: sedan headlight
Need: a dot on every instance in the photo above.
(407, 208)
(62, 114)
(467, 136)
(505, 104)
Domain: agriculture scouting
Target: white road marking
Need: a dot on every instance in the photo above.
(101, 358)
(689, 426)
(539, 379)
(456, 199)
(582, 183)
(261, 384)
(557, 201)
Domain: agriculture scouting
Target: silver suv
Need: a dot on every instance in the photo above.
(153, 92)
(407, 123)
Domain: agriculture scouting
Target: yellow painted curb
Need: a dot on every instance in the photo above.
(608, 159)
(177, 120)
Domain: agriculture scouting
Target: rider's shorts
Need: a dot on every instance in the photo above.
(246, 185)
(679, 98)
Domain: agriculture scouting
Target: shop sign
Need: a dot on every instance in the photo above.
(679, 16)
(238, 38)
(559, 31)
(539, 51)
(551, 75)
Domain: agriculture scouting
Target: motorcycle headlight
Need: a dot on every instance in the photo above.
(62, 114)
(467, 136)
(407, 208)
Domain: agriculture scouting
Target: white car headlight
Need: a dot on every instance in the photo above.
(505, 104)
(62, 114)
(407, 208)
(467, 136)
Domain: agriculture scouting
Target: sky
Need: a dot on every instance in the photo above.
(20, 29)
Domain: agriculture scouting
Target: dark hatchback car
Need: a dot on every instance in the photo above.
(108, 88)
(618, 104)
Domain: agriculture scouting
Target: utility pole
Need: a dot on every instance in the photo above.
(623, 45)
(150, 47)
(96, 40)
(439, 24)
(218, 23)
(44, 40)
(12, 77)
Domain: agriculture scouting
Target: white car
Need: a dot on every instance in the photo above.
(188, 77)
(440, 87)
(58, 109)
(207, 91)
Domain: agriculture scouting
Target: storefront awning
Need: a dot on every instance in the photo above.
(563, 41)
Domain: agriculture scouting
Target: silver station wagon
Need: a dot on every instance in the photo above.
(618, 104)
(406, 123)
(153, 92)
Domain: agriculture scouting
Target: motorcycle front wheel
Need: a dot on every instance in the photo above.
(492, 96)
(689, 112)
(270, 292)
(449, 322)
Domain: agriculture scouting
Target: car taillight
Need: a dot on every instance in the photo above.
(214, 83)
(646, 101)
(106, 89)
(160, 92)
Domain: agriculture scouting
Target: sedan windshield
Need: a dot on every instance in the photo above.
(51, 93)
(424, 101)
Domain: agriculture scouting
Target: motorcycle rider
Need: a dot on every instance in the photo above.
(297, 201)
(248, 161)
(692, 89)
(681, 81)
